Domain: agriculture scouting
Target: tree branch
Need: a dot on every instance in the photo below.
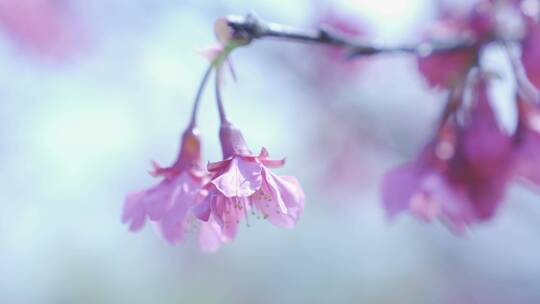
(250, 28)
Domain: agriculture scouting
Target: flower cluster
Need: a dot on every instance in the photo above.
(462, 174)
(218, 197)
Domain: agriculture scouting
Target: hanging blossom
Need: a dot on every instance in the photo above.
(445, 69)
(46, 27)
(461, 175)
(218, 198)
(169, 204)
(243, 183)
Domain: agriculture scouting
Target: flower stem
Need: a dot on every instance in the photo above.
(198, 97)
(221, 109)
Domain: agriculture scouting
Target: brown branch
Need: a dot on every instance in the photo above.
(250, 28)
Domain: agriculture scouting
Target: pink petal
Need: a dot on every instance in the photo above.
(487, 196)
(219, 165)
(230, 212)
(280, 199)
(398, 187)
(210, 237)
(134, 211)
(269, 163)
(485, 144)
(226, 212)
(158, 200)
(241, 179)
(442, 70)
(166, 172)
(211, 52)
(173, 223)
(202, 210)
(292, 194)
(219, 208)
(424, 207)
(277, 197)
(273, 163)
(455, 207)
(263, 153)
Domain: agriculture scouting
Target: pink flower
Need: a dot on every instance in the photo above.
(428, 194)
(445, 69)
(169, 204)
(242, 183)
(461, 177)
(531, 52)
(527, 142)
(47, 27)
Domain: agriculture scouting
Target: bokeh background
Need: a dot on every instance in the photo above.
(80, 121)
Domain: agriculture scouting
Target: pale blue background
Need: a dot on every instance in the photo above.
(76, 137)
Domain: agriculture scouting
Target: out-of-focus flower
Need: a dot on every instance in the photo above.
(531, 52)
(242, 183)
(461, 176)
(169, 203)
(46, 27)
(329, 63)
(446, 69)
(348, 165)
(527, 142)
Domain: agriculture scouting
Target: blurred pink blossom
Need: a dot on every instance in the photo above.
(445, 69)
(461, 176)
(330, 64)
(46, 27)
